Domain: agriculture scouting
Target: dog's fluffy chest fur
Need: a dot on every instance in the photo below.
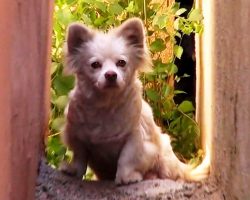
(104, 126)
(102, 121)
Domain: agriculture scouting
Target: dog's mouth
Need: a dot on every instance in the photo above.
(111, 85)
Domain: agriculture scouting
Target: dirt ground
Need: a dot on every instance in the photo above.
(52, 184)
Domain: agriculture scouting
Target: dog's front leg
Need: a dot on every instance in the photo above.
(78, 165)
(130, 162)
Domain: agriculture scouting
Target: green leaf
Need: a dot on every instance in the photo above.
(152, 95)
(160, 67)
(88, 1)
(58, 123)
(157, 45)
(63, 84)
(53, 68)
(71, 1)
(185, 75)
(198, 28)
(89, 174)
(64, 16)
(166, 90)
(99, 21)
(175, 7)
(180, 11)
(55, 145)
(176, 24)
(100, 5)
(53, 96)
(177, 34)
(178, 50)
(139, 4)
(179, 92)
(110, 21)
(195, 15)
(115, 9)
(55, 151)
(86, 19)
(61, 102)
(92, 15)
(131, 7)
(186, 107)
(160, 21)
(172, 69)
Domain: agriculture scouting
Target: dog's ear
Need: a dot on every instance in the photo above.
(77, 35)
(133, 31)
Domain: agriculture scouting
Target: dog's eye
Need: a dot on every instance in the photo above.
(121, 63)
(96, 65)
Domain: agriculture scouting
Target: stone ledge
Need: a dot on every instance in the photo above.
(52, 184)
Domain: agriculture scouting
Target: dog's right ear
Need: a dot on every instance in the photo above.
(77, 35)
(132, 30)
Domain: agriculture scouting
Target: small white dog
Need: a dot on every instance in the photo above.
(109, 125)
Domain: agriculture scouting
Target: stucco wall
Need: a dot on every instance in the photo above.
(25, 28)
(232, 96)
(225, 110)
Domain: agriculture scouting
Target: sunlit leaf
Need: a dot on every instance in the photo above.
(115, 9)
(53, 68)
(131, 7)
(178, 35)
(175, 7)
(57, 124)
(178, 50)
(86, 19)
(64, 16)
(99, 21)
(100, 5)
(71, 1)
(160, 21)
(195, 15)
(176, 24)
(186, 106)
(180, 11)
(61, 102)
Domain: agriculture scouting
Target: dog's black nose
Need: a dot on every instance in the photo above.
(110, 76)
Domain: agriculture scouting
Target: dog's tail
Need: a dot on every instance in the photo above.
(175, 168)
(196, 173)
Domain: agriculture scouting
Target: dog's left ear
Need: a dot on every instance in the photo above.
(133, 31)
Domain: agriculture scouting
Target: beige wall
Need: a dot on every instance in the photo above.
(25, 28)
(224, 93)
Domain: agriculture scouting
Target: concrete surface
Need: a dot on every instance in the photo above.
(52, 184)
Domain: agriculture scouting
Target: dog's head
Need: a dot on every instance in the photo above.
(107, 60)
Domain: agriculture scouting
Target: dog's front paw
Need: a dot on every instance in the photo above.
(70, 169)
(132, 177)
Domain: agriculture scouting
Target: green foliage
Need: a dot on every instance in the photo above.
(167, 24)
(163, 25)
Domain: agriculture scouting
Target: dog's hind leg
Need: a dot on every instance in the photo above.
(136, 158)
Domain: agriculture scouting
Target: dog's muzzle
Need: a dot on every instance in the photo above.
(110, 76)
